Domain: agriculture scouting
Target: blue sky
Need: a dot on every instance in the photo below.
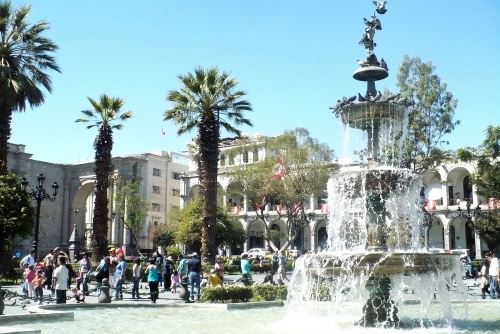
(294, 58)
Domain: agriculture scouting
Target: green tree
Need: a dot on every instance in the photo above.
(207, 101)
(189, 222)
(16, 216)
(488, 227)
(430, 115)
(297, 167)
(25, 56)
(163, 235)
(104, 114)
(131, 207)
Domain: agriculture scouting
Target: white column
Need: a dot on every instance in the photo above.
(224, 200)
(245, 204)
(311, 202)
(444, 188)
(446, 226)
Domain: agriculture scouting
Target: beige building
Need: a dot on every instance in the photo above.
(68, 219)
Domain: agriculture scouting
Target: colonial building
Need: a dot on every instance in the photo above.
(67, 221)
(446, 190)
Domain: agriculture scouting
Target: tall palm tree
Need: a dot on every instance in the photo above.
(208, 100)
(24, 56)
(105, 113)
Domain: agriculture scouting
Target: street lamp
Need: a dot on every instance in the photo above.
(39, 194)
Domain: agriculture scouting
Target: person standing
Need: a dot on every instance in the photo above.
(194, 269)
(136, 278)
(84, 273)
(275, 262)
(494, 274)
(28, 260)
(153, 278)
(282, 268)
(119, 277)
(167, 272)
(37, 284)
(484, 278)
(219, 269)
(60, 277)
(48, 269)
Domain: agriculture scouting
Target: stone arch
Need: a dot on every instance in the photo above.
(458, 237)
(234, 196)
(321, 234)
(82, 209)
(278, 227)
(255, 234)
(436, 234)
(457, 192)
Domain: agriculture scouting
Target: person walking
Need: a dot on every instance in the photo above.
(282, 268)
(494, 275)
(484, 278)
(246, 270)
(219, 269)
(153, 278)
(83, 277)
(194, 269)
(60, 277)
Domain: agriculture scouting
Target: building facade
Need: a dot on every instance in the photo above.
(67, 221)
(446, 191)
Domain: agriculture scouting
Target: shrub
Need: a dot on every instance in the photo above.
(242, 294)
(173, 251)
(267, 292)
(231, 294)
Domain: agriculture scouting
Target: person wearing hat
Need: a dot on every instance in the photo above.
(166, 271)
(83, 276)
(194, 270)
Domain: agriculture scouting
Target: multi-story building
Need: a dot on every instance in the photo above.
(68, 219)
(446, 189)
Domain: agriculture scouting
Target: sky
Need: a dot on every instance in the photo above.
(295, 59)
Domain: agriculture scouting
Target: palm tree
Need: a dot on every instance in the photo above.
(24, 56)
(207, 101)
(105, 112)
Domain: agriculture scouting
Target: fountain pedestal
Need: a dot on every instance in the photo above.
(379, 309)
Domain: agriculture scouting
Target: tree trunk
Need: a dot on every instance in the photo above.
(5, 119)
(103, 147)
(209, 156)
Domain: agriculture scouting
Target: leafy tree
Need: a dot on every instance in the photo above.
(104, 114)
(207, 101)
(131, 207)
(16, 215)
(25, 56)
(189, 224)
(430, 115)
(297, 167)
(488, 227)
(163, 235)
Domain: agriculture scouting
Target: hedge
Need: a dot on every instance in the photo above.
(242, 294)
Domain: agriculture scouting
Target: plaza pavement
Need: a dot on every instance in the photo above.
(165, 297)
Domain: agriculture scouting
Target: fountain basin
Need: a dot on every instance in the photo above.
(364, 115)
(379, 264)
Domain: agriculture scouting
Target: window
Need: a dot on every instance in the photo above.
(231, 159)
(156, 172)
(155, 207)
(174, 208)
(156, 190)
(176, 175)
(176, 192)
(245, 157)
(255, 155)
(222, 160)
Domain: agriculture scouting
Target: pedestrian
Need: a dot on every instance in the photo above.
(78, 295)
(37, 285)
(113, 261)
(167, 272)
(484, 278)
(494, 275)
(29, 275)
(60, 277)
(275, 262)
(48, 269)
(136, 278)
(153, 278)
(119, 277)
(213, 279)
(246, 273)
(261, 264)
(102, 271)
(174, 281)
(183, 270)
(282, 268)
(194, 269)
(219, 269)
(28, 259)
(83, 277)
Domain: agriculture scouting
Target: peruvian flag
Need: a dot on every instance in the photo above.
(279, 170)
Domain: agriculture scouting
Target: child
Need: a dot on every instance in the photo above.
(29, 274)
(78, 295)
(175, 280)
(213, 279)
(37, 284)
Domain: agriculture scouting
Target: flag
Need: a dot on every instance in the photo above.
(163, 132)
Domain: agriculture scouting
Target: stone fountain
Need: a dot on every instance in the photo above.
(375, 224)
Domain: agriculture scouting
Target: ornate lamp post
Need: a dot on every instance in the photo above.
(39, 194)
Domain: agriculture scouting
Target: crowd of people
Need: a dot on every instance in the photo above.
(54, 273)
